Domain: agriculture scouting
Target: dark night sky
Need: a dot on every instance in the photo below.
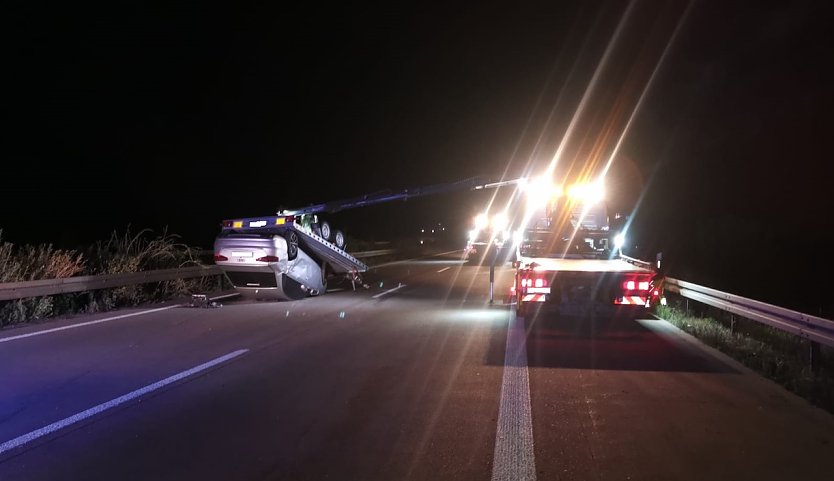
(182, 114)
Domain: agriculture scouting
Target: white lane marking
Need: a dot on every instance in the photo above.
(389, 291)
(89, 323)
(31, 436)
(224, 296)
(444, 269)
(514, 458)
(386, 264)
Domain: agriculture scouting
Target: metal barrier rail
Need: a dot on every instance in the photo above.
(813, 328)
(376, 253)
(50, 287)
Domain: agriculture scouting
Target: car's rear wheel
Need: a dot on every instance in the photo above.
(292, 245)
(323, 277)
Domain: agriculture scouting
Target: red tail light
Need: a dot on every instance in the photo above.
(636, 284)
(218, 257)
(267, 259)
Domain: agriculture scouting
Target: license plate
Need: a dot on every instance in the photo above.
(241, 254)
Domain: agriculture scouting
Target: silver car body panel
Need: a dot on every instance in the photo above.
(283, 279)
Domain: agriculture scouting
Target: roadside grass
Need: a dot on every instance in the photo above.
(121, 253)
(776, 355)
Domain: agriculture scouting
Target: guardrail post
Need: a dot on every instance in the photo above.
(815, 357)
(732, 323)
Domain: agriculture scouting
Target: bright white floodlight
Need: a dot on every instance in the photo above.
(499, 222)
(540, 189)
(588, 193)
(481, 221)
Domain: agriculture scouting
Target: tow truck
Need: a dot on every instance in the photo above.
(291, 255)
(569, 258)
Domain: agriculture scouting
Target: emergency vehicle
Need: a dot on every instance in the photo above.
(569, 259)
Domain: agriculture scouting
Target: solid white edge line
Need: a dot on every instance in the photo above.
(388, 291)
(31, 436)
(444, 269)
(224, 296)
(88, 323)
(514, 456)
(99, 321)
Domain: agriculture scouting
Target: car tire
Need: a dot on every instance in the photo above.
(325, 230)
(292, 245)
(339, 239)
(323, 278)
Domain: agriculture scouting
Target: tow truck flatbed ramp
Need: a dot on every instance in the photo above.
(340, 261)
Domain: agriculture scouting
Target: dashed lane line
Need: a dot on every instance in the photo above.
(31, 436)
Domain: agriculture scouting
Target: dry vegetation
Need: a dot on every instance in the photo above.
(775, 354)
(121, 253)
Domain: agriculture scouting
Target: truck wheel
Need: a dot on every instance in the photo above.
(339, 237)
(292, 245)
(325, 230)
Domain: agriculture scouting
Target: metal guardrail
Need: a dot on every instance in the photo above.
(50, 287)
(810, 327)
(376, 253)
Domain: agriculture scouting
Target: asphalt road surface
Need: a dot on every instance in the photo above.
(416, 377)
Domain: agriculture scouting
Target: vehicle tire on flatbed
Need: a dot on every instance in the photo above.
(325, 230)
(339, 239)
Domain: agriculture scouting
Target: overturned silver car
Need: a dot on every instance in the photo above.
(277, 258)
